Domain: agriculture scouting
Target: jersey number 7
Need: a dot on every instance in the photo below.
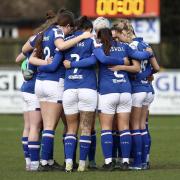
(76, 56)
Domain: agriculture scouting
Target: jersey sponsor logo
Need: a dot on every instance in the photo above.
(75, 77)
(115, 81)
(113, 48)
(81, 44)
(144, 81)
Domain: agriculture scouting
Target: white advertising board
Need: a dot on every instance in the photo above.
(149, 29)
(10, 95)
(167, 93)
(166, 86)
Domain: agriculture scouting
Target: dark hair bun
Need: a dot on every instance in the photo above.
(50, 14)
(84, 18)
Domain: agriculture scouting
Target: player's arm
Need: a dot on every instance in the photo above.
(30, 44)
(148, 72)
(37, 61)
(101, 56)
(83, 63)
(139, 55)
(155, 65)
(54, 65)
(134, 68)
(27, 47)
(63, 45)
(20, 58)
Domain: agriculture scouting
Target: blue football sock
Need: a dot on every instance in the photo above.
(145, 145)
(84, 143)
(137, 147)
(34, 147)
(64, 135)
(25, 147)
(92, 150)
(125, 144)
(115, 144)
(149, 138)
(69, 146)
(107, 145)
(75, 151)
(47, 145)
(119, 147)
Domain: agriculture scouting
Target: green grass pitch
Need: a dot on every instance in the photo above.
(165, 153)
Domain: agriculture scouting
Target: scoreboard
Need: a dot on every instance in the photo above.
(143, 14)
(120, 8)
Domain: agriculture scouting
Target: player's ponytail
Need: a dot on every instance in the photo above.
(105, 37)
(38, 46)
(62, 18)
(83, 23)
(65, 17)
(50, 20)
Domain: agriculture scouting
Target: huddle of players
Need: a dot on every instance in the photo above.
(61, 79)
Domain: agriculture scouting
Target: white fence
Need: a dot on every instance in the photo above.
(166, 85)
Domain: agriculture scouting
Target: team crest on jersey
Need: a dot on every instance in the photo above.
(46, 38)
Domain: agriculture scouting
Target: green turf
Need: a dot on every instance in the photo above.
(165, 154)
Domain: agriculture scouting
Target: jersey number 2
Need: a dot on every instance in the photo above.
(47, 52)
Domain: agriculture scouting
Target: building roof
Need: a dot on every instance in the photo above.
(14, 11)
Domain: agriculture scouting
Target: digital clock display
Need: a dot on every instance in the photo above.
(124, 7)
(120, 8)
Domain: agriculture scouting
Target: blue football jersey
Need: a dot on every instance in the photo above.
(141, 84)
(118, 81)
(80, 77)
(28, 86)
(49, 50)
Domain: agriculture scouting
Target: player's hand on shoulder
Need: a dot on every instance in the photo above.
(150, 78)
(67, 64)
(115, 68)
(149, 49)
(86, 35)
(96, 43)
(49, 60)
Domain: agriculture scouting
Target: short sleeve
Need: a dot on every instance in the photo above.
(32, 40)
(58, 33)
(134, 45)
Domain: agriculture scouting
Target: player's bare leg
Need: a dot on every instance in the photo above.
(106, 122)
(125, 138)
(145, 138)
(25, 135)
(135, 124)
(34, 134)
(50, 113)
(70, 140)
(92, 151)
(86, 121)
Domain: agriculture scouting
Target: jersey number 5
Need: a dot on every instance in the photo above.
(118, 75)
